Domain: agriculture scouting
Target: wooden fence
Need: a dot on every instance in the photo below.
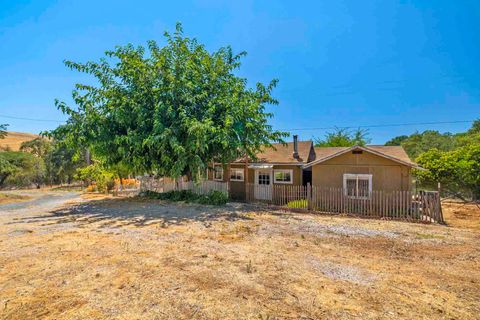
(422, 206)
(164, 185)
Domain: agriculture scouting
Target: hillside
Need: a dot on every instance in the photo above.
(14, 139)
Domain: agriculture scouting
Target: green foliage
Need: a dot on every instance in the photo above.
(20, 169)
(451, 159)
(103, 178)
(397, 141)
(216, 198)
(458, 171)
(3, 130)
(7, 168)
(417, 143)
(342, 137)
(39, 147)
(475, 129)
(168, 110)
(302, 204)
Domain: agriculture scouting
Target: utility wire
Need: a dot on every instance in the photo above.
(377, 125)
(300, 129)
(30, 119)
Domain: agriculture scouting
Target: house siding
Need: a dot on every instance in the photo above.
(237, 188)
(386, 174)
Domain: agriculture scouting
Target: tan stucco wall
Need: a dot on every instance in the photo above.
(386, 174)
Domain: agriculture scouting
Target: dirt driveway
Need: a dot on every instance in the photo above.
(139, 259)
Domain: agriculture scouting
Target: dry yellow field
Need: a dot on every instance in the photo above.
(139, 259)
(13, 140)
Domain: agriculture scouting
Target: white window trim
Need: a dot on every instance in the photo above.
(284, 171)
(347, 176)
(215, 170)
(239, 170)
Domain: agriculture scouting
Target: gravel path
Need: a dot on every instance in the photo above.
(42, 201)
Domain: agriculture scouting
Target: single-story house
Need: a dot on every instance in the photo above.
(358, 169)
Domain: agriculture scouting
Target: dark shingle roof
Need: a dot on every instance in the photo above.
(283, 153)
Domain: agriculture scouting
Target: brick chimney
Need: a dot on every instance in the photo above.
(295, 146)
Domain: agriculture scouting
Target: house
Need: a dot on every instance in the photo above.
(358, 170)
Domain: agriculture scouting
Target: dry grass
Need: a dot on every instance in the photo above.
(9, 198)
(462, 215)
(130, 259)
(13, 140)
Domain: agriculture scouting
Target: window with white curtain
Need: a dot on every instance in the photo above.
(357, 186)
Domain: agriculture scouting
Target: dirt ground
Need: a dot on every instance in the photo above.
(147, 259)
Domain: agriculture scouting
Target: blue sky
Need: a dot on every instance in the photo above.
(340, 63)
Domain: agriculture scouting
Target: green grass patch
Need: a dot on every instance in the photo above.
(302, 203)
(429, 236)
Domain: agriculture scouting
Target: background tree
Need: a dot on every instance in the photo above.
(20, 169)
(6, 168)
(397, 141)
(451, 159)
(458, 171)
(169, 110)
(39, 147)
(3, 130)
(343, 137)
(63, 158)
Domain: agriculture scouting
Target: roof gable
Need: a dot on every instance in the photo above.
(394, 153)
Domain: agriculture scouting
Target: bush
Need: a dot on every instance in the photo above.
(297, 204)
(95, 174)
(216, 198)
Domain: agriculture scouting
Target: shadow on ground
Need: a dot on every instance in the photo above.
(138, 212)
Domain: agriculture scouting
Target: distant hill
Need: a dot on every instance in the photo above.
(13, 140)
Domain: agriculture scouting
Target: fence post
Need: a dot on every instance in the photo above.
(309, 196)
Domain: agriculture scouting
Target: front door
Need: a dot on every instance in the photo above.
(263, 184)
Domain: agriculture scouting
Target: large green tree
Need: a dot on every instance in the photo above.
(169, 110)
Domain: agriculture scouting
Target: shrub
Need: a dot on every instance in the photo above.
(216, 198)
(297, 204)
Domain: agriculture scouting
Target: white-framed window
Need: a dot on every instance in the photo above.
(283, 176)
(218, 172)
(357, 186)
(237, 174)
